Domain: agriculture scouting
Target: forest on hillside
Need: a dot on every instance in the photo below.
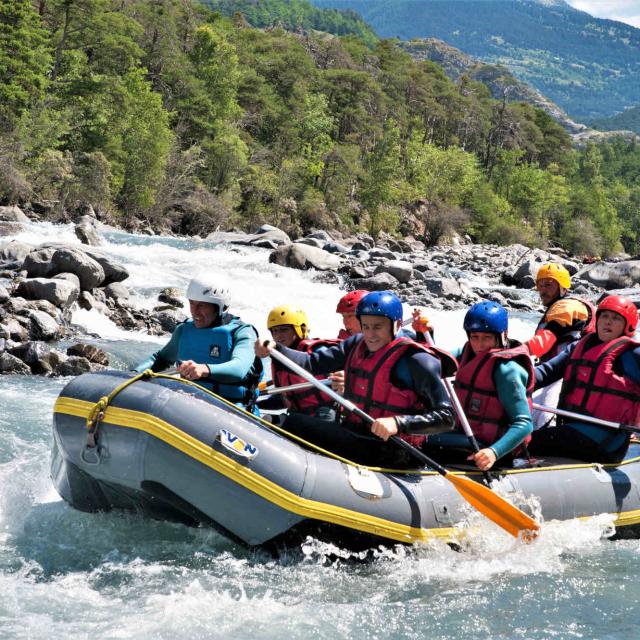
(168, 115)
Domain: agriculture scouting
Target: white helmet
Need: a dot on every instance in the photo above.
(208, 288)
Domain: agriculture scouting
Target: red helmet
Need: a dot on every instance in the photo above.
(625, 308)
(349, 301)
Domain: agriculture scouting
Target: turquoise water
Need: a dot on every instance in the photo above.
(64, 573)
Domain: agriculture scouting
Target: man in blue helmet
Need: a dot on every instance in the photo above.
(494, 385)
(392, 378)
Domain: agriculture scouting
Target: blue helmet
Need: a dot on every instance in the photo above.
(488, 317)
(380, 303)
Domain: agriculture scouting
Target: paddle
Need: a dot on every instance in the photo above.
(466, 427)
(583, 418)
(487, 502)
(290, 387)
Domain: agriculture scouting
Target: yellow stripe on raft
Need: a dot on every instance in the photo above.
(252, 481)
(274, 493)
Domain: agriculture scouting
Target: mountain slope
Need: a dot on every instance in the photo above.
(588, 66)
(295, 14)
(628, 119)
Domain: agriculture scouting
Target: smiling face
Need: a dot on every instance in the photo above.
(610, 325)
(284, 334)
(549, 291)
(351, 323)
(204, 314)
(481, 341)
(376, 331)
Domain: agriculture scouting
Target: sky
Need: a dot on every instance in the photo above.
(623, 10)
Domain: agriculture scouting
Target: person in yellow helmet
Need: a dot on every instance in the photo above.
(565, 320)
(289, 327)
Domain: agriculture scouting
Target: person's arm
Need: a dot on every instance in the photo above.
(553, 370)
(511, 384)
(165, 357)
(631, 364)
(322, 361)
(238, 366)
(561, 318)
(424, 371)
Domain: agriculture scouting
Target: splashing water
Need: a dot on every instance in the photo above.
(64, 573)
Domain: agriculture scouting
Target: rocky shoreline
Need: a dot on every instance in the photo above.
(40, 284)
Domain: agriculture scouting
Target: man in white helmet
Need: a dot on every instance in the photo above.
(215, 348)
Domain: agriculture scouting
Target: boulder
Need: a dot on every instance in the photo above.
(633, 294)
(116, 291)
(443, 287)
(169, 319)
(171, 296)
(15, 330)
(113, 272)
(11, 364)
(301, 256)
(90, 352)
(12, 254)
(335, 247)
(40, 357)
(87, 301)
(609, 275)
(37, 264)
(69, 277)
(87, 232)
(381, 252)
(4, 295)
(73, 366)
(12, 214)
(312, 242)
(60, 293)
(320, 235)
(400, 269)
(10, 228)
(379, 282)
(89, 271)
(42, 326)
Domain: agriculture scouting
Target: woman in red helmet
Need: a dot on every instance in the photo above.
(600, 378)
(347, 306)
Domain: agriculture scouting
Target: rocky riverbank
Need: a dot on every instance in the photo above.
(40, 285)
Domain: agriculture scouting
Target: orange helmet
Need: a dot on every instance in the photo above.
(624, 307)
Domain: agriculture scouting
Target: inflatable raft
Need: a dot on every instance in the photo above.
(168, 449)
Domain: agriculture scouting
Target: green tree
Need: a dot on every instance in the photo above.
(24, 60)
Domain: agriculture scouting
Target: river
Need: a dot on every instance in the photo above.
(65, 574)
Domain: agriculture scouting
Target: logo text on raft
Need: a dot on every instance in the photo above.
(237, 445)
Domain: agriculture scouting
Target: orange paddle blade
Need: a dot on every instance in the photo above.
(496, 508)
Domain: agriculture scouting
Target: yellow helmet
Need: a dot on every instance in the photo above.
(288, 314)
(556, 272)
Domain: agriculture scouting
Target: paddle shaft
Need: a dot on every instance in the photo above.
(455, 401)
(583, 418)
(489, 503)
(350, 406)
(291, 387)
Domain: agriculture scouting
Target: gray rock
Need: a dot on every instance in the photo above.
(400, 269)
(10, 228)
(37, 355)
(116, 291)
(42, 326)
(380, 252)
(69, 277)
(378, 282)
(87, 301)
(171, 296)
(16, 331)
(90, 352)
(60, 293)
(12, 214)
(73, 366)
(4, 295)
(608, 275)
(13, 253)
(633, 294)
(301, 256)
(87, 232)
(312, 242)
(444, 287)
(89, 271)
(11, 364)
(113, 272)
(37, 264)
(320, 235)
(335, 247)
(169, 319)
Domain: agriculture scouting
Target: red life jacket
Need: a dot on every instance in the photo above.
(477, 391)
(303, 400)
(368, 381)
(571, 334)
(343, 334)
(592, 387)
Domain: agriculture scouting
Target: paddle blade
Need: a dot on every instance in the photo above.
(496, 508)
